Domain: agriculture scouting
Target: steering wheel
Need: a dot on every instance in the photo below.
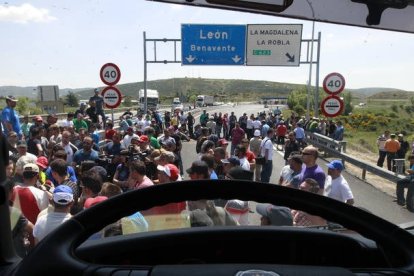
(56, 254)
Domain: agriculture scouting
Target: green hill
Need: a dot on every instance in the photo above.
(221, 88)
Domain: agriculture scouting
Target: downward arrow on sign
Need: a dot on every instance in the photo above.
(290, 58)
(190, 58)
(236, 59)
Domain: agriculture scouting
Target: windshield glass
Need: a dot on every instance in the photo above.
(318, 107)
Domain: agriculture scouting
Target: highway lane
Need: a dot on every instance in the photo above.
(366, 196)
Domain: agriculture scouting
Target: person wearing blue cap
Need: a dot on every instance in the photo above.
(62, 202)
(336, 186)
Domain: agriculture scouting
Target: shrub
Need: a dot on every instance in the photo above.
(299, 110)
(393, 115)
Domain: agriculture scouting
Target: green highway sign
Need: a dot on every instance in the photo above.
(262, 52)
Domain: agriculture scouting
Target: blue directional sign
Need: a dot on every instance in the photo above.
(213, 44)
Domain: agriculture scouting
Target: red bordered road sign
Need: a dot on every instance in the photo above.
(112, 97)
(110, 74)
(333, 83)
(332, 106)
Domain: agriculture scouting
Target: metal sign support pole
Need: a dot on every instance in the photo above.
(309, 60)
(145, 75)
(318, 56)
(155, 60)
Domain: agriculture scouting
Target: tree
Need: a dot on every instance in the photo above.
(192, 99)
(299, 110)
(127, 101)
(299, 98)
(72, 99)
(22, 105)
(348, 103)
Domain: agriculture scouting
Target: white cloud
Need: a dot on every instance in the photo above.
(24, 13)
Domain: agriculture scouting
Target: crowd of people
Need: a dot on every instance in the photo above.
(59, 168)
(392, 146)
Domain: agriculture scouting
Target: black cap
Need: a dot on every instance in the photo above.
(240, 173)
(296, 157)
(199, 167)
(277, 215)
(21, 143)
(232, 160)
(200, 218)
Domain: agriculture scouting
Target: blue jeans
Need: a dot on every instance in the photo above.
(266, 171)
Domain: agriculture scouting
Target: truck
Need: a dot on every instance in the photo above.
(176, 105)
(204, 100)
(153, 99)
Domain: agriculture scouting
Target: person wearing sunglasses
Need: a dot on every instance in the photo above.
(311, 169)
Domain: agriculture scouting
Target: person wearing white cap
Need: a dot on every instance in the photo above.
(32, 199)
(62, 202)
(255, 148)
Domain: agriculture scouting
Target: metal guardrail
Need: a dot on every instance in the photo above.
(338, 149)
(65, 114)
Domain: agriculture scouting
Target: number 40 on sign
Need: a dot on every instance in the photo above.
(334, 83)
(110, 74)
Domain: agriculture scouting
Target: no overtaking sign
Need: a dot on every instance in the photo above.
(332, 106)
(112, 97)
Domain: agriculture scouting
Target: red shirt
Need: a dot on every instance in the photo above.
(170, 208)
(237, 135)
(109, 133)
(281, 130)
(250, 156)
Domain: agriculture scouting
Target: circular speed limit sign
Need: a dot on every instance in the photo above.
(112, 97)
(332, 106)
(333, 83)
(110, 74)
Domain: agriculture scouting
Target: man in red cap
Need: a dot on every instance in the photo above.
(144, 145)
(168, 173)
(223, 143)
(37, 123)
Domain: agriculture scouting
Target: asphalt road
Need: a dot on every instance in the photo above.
(366, 196)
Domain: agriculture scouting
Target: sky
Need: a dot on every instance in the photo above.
(66, 42)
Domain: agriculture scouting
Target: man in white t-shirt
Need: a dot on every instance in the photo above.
(266, 150)
(128, 137)
(240, 152)
(336, 186)
(62, 202)
(290, 174)
(69, 148)
(257, 124)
